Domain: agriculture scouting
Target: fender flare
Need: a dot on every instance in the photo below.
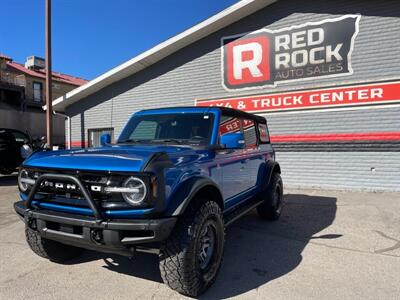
(270, 168)
(188, 191)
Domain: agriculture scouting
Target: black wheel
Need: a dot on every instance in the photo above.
(49, 249)
(271, 208)
(191, 257)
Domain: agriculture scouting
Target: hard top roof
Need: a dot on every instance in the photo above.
(225, 110)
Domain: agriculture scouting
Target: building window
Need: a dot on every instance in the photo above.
(37, 91)
(95, 134)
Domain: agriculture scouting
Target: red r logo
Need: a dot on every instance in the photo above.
(247, 61)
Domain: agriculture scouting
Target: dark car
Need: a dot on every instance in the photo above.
(171, 184)
(11, 141)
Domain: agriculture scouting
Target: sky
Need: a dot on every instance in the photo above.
(92, 36)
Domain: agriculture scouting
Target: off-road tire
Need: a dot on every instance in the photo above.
(271, 208)
(49, 249)
(179, 254)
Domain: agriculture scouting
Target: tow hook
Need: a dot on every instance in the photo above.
(96, 236)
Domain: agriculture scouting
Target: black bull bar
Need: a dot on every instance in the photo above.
(48, 176)
(118, 235)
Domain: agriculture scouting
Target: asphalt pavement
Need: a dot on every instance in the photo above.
(327, 245)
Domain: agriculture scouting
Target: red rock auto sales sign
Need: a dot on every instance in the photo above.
(367, 94)
(300, 52)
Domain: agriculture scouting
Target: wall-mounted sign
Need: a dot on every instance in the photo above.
(366, 94)
(301, 52)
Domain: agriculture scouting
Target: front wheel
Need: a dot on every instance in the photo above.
(49, 249)
(191, 257)
(271, 208)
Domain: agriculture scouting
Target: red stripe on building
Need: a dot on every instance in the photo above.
(79, 144)
(323, 137)
(337, 137)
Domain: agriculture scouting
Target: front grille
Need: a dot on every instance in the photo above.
(66, 193)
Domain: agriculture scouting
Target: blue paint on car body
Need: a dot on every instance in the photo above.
(234, 171)
(172, 172)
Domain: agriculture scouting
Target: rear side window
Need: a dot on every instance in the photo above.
(264, 134)
(249, 132)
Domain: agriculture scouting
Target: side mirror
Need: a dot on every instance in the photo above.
(105, 139)
(232, 140)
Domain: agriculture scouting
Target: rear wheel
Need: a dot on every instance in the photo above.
(271, 208)
(191, 257)
(49, 249)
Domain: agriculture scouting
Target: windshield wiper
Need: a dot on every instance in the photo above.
(166, 141)
(133, 141)
(148, 141)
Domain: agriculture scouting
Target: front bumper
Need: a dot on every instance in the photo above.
(117, 236)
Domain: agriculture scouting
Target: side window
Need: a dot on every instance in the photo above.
(20, 137)
(264, 134)
(249, 132)
(145, 130)
(37, 91)
(229, 125)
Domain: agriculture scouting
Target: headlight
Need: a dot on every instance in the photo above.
(24, 181)
(133, 190)
(137, 190)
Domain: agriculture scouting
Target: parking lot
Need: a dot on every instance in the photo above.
(328, 245)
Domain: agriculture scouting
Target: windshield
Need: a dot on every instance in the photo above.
(182, 128)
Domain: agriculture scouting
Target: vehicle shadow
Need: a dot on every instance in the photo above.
(256, 251)
(8, 180)
(143, 265)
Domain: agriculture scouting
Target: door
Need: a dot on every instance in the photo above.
(231, 161)
(254, 158)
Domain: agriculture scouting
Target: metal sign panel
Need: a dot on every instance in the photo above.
(302, 52)
(329, 98)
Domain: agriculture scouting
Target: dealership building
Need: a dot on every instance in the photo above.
(325, 74)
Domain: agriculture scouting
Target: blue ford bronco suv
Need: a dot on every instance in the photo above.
(172, 182)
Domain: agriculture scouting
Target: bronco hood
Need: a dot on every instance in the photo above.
(112, 158)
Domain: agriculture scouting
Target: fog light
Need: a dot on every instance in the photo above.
(96, 236)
